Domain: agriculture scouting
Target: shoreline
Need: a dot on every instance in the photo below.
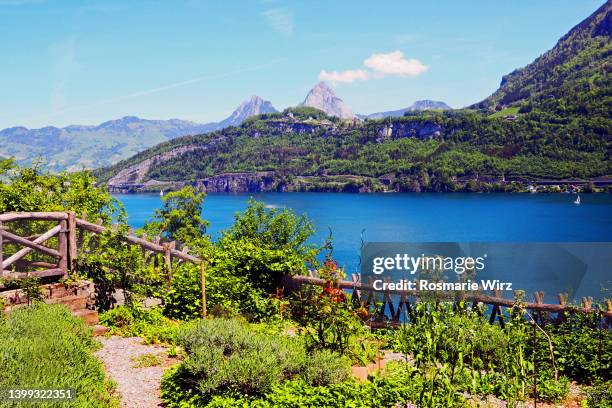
(259, 182)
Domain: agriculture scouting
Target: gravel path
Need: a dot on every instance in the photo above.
(138, 387)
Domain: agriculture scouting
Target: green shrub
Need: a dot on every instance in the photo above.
(550, 390)
(600, 395)
(117, 318)
(45, 347)
(397, 388)
(225, 357)
(325, 367)
(183, 300)
(146, 360)
(135, 321)
(583, 350)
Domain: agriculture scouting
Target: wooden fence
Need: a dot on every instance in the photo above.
(65, 254)
(394, 302)
(390, 304)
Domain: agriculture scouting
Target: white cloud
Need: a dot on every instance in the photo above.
(394, 63)
(380, 65)
(350, 75)
(281, 20)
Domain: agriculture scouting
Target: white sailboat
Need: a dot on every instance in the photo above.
(161, 193)
(577, 202)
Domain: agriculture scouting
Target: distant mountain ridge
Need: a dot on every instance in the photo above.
(90, 146)
(418, 106)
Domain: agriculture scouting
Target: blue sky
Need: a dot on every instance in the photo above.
(84, 62)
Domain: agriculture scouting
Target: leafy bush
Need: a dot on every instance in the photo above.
(45, 347)
(180, 218)
(183, 299)
(225, 357)
(31, 189)
(247, 266)
(149, 324)
(583, 350)
(397, 388)
(329, 321)
(600, 395)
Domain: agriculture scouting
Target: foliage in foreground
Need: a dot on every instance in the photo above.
(246, 267)
(135, 321)
(397, 387)
(224, 357)
(44, 347)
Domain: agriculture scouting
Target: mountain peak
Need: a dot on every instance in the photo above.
(428, 104)
(254, 106)
(120, 123)
(324, 98)
(418, 106)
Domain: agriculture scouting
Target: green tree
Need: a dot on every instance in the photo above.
(180, 218)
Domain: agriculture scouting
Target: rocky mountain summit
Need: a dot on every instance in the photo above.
(324, 98)
(254, 106)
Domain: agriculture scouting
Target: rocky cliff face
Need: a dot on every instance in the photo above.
(324, 98)
(237, 182)
(133, 177)
(418, 129)
(136, 177)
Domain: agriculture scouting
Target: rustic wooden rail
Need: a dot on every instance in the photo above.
(365, 293)
(67, 251)
(67, 247)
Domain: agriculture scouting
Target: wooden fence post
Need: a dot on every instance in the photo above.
(203, 273)
(1, 249)
(168, 260)
(72, 240)
(62, 240)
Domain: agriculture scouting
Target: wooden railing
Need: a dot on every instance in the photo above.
(387, 306)
(67, 246)
(64, 256)
(68, 226)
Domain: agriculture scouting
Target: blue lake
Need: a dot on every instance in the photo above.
(416, 217)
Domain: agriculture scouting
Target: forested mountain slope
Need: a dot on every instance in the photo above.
(573, 78)
(549, 120)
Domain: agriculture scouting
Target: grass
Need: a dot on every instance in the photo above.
(512, 110)
(146, 360)
(45, 347)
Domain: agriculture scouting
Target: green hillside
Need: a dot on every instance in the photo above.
(573, 78)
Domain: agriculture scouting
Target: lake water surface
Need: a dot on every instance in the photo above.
(415, 217)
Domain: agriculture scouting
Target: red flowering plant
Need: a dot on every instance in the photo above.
(332, 275)
(328, 319)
